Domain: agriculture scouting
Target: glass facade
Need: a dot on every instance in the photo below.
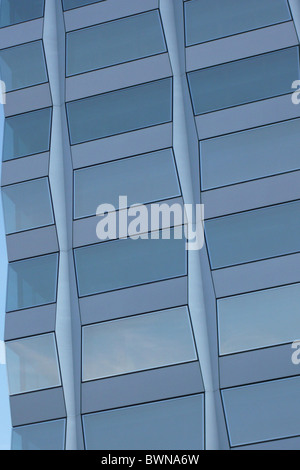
(23, 66)
(32, 364)
(27, 205)
(117, 41)
(16, 11)
(137, 343)
(263, 412)
(143, 179)
(254, 235)
(42, 436)
(244, 81)
(207, 21)
(27, 134)
(169, 425)
(32, 282)
(120, 111)
(130, 339)
(259, 319)
(251, 154)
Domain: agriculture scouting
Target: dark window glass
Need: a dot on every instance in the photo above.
(143, 179)
(249, 155)
(32, 282)
(115, 42)
(23, 66)
(42, 436)
(120, 111)
(27, 134)
(254, 235)
(244, 81)
(262, 412)
(27, 205)
(18, 11)
(176, 424)
(214, 19)
(123, 263)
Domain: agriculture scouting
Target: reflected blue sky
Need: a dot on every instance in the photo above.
(5, 424)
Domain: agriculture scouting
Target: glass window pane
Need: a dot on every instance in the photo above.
(176, 424)
(104, 267)
(120, 111)
(259, 319)
(17, 11)
(42, 436)
(71, 4)
(254, 235)
(32, 282)
(244, 81)
(23, 66)
(146, 178)
(27, 134)
(117, 41)
(32, 364)
(137, 343)
(206, 21)
(263, 412)
(251, 154)
(27, 205)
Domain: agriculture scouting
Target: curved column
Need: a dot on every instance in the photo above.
(68, 328)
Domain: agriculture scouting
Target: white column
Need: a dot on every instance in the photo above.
(185, 144)
(60, 175)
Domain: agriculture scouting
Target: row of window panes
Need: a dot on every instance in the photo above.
(244, 81)
(137, 343)
(118, 41)
(100, 268)
(143, 179)
(254, 235)
(174, 424)
(263, 412)
(72, 4)
(207, 21)
(131, 344)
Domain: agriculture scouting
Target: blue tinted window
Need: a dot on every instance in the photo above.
(259, 319)
(105, 266)
(165, 425)
(32, 282)
(146, 178)
(42, 436)
(70, 4)
(120, 111)
(214, 19)
(117, 41)
(137, 343)
(244, 81)
(32, 364)
(263, 412)
(23, 66)
(27, 205)
(252, 154)
(253, 235)
(27, 134)
(17, 11)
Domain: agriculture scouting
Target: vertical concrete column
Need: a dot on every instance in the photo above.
(186, 149)
(295, 9)
(68, 327)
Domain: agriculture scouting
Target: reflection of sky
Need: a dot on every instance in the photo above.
(4, 404)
